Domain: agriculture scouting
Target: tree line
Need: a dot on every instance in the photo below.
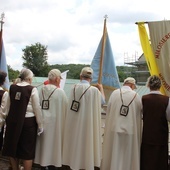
(75, 69)
(35, 58)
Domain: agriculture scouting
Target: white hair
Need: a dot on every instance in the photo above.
(26, 74)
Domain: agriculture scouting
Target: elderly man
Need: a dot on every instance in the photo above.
(54, 105)
(82, 136)
(122, 136)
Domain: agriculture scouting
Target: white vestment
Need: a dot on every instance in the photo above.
(122, 137)
(82, 135)
(49, 143)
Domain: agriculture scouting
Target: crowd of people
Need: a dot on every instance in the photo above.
(52, 130)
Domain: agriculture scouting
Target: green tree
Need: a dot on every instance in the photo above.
(35, 58)
(12, 74)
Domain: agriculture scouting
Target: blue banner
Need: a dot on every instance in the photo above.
(109, 73)
(3, 65)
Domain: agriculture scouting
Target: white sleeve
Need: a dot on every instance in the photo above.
(3, 108)
(36, 107)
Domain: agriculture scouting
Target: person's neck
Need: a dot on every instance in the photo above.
(54, 83)
(85, 79)
(27, 81)
(155, 90)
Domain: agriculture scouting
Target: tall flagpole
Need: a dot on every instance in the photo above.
(3, 64)
(102, 50)
(1, 22)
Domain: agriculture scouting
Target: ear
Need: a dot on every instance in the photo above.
(57, 79)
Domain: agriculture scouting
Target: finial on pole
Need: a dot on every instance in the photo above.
(106, 16)
(2, 19)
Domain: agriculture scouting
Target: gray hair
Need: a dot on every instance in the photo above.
(26, 74)
(154, 82)
(53, 74)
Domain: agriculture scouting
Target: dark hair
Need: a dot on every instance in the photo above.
(154, 82)
(2, 77)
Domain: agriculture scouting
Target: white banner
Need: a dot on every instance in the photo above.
(160, 42)
(63, 80)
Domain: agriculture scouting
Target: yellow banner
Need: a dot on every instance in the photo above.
(147, 50)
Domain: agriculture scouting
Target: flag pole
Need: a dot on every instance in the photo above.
(3, 64)
(1, 22)
(102, 50)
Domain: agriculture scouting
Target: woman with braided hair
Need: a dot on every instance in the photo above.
(156, 114)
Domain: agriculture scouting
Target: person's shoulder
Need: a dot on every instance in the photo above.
(116, 90)
(31, 87)
(164, 96)
(12, 85)
(145, 95)
(93, 87)
(60, 90)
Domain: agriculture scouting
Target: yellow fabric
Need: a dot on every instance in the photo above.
(148, 53)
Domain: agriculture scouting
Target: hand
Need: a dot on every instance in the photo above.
(99, 86)
(40, 130)
(1, 120)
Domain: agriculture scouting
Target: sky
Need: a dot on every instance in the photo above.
(72, 29)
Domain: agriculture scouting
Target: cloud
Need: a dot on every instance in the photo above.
(72, 29)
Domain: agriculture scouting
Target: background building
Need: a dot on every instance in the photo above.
(139, 69)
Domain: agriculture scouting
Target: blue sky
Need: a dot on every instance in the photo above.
(72, 29)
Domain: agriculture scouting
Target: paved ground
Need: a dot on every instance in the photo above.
(4, 164)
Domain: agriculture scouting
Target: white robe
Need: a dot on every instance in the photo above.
(82, 136)
(49, 143)
(122, 137)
